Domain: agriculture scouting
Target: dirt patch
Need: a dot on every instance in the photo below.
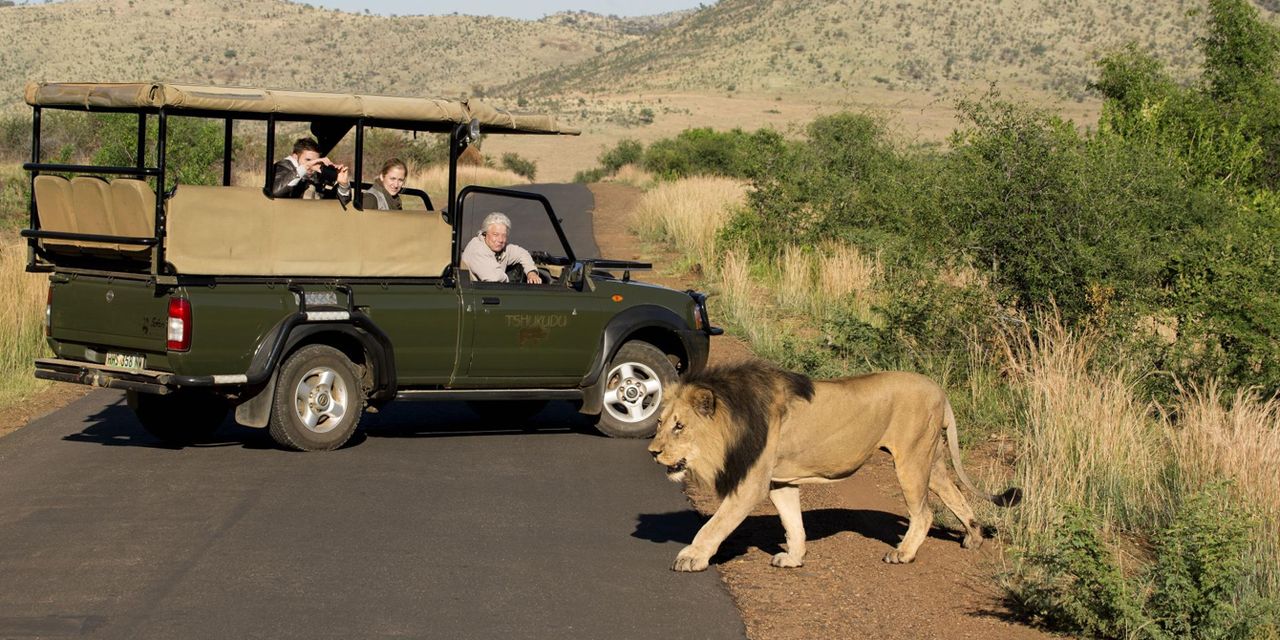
(23, 410)
(844, 589)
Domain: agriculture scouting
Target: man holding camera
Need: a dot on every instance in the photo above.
(305, 167)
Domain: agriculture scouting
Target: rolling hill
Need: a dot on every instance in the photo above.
(793, 46)
(282, 44)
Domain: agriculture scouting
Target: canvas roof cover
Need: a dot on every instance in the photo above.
(427, 113)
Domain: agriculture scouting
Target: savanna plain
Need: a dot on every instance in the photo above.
(1064, 212)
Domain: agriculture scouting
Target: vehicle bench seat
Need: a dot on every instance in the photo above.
(89, 204)
(239, 231)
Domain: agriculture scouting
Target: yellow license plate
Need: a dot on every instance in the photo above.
(126, 361)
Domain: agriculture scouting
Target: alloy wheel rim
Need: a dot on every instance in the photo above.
(633, 392)
(321, 400)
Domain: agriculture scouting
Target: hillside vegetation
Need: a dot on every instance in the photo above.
(795, 45)
(764, 46)
(281, 44)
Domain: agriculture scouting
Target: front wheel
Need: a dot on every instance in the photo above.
(634, 385)
(180, 418)
(318, 400)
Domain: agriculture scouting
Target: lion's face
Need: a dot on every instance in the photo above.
(684, 417)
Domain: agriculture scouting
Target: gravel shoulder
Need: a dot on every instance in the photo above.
(844, 589)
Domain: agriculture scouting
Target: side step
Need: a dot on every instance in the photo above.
(489, 394)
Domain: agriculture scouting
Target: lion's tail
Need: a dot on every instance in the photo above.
(1011, 497)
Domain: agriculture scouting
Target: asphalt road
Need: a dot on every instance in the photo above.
(432, 523)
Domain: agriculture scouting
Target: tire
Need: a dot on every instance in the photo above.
(318, 400)
(181, 418)
(635, 381)
(499, 411)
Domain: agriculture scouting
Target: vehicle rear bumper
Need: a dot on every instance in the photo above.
(98, 375)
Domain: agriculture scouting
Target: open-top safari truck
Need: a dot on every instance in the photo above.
(300, 314)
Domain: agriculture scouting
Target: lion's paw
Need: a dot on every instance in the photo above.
(688, 560)
(972, 542)
(785, 560)
(898, 557)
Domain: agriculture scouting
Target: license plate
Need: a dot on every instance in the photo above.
(126, 361)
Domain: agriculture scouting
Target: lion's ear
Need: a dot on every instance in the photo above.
(704, 402)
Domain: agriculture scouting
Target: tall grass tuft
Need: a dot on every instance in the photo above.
(21, 324)
(795, 285)
(634, 176)
(1087, 440)
(743, 303)
(689, 213)
(1238, 440)
(845, 273)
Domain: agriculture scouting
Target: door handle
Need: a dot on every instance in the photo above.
(490, 300)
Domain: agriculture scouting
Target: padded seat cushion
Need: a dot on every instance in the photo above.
(239, 231)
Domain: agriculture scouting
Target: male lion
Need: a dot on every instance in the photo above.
(749, 429)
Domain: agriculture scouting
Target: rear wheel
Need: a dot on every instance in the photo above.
(183, 417)
(318, 400)
(635, 382)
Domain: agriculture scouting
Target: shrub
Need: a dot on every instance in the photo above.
(520, 166)
(627, 151)
(590, 175)
(1072, 581)
(15, 190)
(708, 152)
(193, 151)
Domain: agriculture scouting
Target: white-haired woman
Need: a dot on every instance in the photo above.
(489, 255)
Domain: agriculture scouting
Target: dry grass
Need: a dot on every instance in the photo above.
(1087, 440)
(795, 280)
(634, 176)
(21, 324)
(744, 303)
(688, 213)
(435, 180)
(1236, 439)
(844, 272)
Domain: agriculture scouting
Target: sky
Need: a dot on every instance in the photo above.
(529, 9)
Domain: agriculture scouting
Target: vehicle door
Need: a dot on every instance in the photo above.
(420, 316)
(514, 331)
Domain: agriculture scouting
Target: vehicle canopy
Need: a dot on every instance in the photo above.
(86, 219)
(418, 114)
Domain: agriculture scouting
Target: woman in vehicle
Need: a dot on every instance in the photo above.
(384, 194)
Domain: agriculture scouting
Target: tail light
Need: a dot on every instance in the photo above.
(48, 313)
(179, 324)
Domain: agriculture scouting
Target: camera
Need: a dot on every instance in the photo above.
(324, 177)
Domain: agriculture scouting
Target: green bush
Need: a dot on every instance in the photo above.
(15, 138)
(590, 175)
(627, 151)
(193, 152)
(1195, 586)
(1200, 575)
(15, 190)
(521, 166)
(1072, 582)
(705, 151)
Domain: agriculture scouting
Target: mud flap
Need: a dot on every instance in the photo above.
(256, 411)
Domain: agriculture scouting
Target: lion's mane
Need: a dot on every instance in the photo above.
(748, 397)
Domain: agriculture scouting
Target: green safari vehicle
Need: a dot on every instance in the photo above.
(302, 314)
